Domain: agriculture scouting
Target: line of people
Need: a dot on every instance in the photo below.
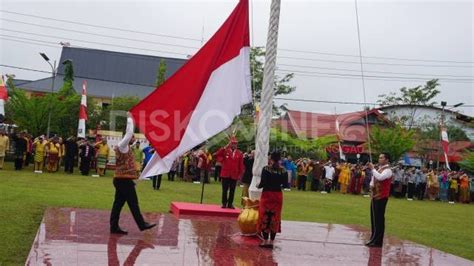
(49, 154)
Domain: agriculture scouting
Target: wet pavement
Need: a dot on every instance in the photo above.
(69, 236)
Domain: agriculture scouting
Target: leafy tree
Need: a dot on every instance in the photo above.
(68, 81)
(281, 87)
(395, 141)
(431, 132)
(415, 97)
(468, 163)
(161, 76)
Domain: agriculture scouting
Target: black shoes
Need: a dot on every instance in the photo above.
(223, 206)
(118, 231)
(231, 207)
(373, 245)
(147, 226)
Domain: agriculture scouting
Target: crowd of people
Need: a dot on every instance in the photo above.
(50, 154)
(200, 165)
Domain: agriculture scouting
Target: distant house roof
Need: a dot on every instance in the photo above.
(459, 116)
(109, 73)
(313, 125)
(18, 82)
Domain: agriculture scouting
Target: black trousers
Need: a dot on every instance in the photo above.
(125, 192)
(69, 164)
(206, 176)
(19, 163)
(302, 182)
(85, 166)
(377, 220)
(197, 177)
(452, 194)
(420, 190)
(404, 191)
(315, 184)
(411, 190)
(217, 173)
(171, 175)
(228, 190)
(156, 181)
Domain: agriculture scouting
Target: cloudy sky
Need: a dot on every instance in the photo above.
(405, 42)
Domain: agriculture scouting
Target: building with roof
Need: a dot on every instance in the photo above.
(422, 114)
(352, 128)
(108, 74)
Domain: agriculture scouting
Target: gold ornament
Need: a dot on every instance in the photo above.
(248, 218)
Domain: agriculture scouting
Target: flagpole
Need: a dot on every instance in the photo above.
(262, 141)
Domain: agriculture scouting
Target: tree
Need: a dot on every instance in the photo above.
(114, 117)
(68, 81)
(281, 87)
(431, 131)
(161, 76)
(396, 141)
(468, 163)
(415, 97)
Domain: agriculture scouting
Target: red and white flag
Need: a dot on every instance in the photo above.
(3, 96)
(202, 98)
(339, 137)
(445, 144)
(81, 129)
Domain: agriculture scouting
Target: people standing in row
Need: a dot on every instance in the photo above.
(411, 179)
(39, 148)
(86, 154)
(4, 147)
(317, 175)
(148, 152)
(303, 168)
(330, 173)
(20, 149)
(102, 156)
(71, 150)
(420, 183)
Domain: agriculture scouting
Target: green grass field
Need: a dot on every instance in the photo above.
(25, 195)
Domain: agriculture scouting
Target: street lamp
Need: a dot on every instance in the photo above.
(358, 158)
(53, 75)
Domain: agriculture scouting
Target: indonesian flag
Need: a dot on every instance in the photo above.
(339, 137)
(3, 96)
(81, 129)
(445, 144)
(202, 98)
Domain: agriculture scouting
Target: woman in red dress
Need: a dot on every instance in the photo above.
(273, 178)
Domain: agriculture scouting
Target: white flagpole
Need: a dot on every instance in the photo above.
(262, 140)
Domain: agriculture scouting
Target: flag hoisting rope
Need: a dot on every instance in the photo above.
(363, 84)
(266, 102)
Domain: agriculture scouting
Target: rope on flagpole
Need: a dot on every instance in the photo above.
(266, 107)
(363, 83)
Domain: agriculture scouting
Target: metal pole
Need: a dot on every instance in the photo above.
(440, 137)
(202, 187)
(53, 71)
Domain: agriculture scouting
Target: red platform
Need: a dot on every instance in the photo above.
(186, 208)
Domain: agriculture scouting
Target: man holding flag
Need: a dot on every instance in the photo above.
(125, 174)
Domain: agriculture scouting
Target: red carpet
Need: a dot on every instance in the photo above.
(186, 208)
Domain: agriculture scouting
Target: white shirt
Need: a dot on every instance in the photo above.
(123, 145)
(380, 176)
(329, 171)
